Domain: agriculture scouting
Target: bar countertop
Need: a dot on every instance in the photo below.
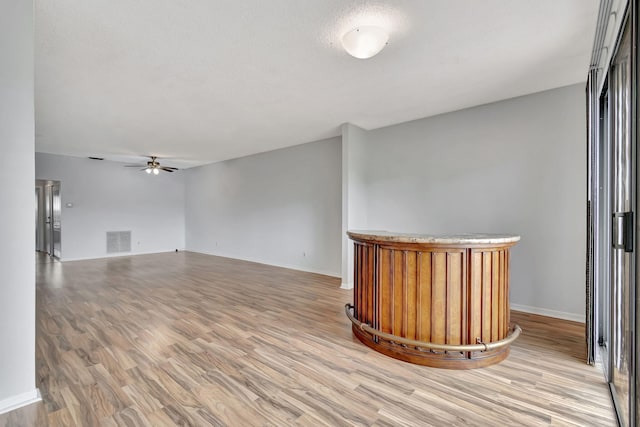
(445, 239)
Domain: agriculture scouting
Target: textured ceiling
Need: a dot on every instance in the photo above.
(200, 81)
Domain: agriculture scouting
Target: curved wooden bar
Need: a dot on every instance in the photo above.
(440, 301)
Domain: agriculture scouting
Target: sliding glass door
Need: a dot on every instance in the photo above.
(622, 262)
(612, 196)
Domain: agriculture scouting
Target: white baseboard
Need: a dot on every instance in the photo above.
(260, 261)
(116, 255)
(15, 402)
(550, 313)
(346, 286)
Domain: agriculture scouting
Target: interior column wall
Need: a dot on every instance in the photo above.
(354, 194)
(17, 286)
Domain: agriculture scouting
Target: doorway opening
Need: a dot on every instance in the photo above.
(48, 218)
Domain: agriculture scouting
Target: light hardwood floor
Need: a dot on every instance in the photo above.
(190, 339)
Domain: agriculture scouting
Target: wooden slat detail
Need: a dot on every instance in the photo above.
(410, 296)
(475, 292)
(370, 294)
(361, 287)
(495, 290)
(386, 290)
(358, 282)
(362, 273)
(454, 297)
(438, 297)
(507, 269)
(398, 294)
(486, 296)
(502, 327)
(363, 282)
(424, 296)
(489, 295)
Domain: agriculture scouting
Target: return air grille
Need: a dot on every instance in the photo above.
(118, 241)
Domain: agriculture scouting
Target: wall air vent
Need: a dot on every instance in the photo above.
(118, 241)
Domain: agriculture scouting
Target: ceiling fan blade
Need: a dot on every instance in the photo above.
(167, 169)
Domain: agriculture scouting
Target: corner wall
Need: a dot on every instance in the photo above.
(106, 196)
(17, 217)
(281, 208)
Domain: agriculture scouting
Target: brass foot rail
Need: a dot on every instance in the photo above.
(480, 346)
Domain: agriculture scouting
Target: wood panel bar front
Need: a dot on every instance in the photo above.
(432, 292)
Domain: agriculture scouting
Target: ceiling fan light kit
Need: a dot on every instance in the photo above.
(153, 166)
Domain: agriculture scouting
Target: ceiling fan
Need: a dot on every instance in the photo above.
(153, 166)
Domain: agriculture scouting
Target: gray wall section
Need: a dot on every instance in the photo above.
(282, 207)
(516, 166)
(106, 196)
(17, 218)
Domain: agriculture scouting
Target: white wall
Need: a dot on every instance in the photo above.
(516, 166)
(354, 194)
(106, 196)
(282, 207)
(17, 217)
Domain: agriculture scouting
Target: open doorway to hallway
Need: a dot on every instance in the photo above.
(48, 218)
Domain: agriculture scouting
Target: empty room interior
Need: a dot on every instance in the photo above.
(319, 213)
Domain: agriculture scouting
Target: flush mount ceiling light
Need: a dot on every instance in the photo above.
(365, 42)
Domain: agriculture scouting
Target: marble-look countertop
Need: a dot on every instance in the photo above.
(445, 239)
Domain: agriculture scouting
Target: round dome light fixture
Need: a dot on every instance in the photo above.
(365, 42)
